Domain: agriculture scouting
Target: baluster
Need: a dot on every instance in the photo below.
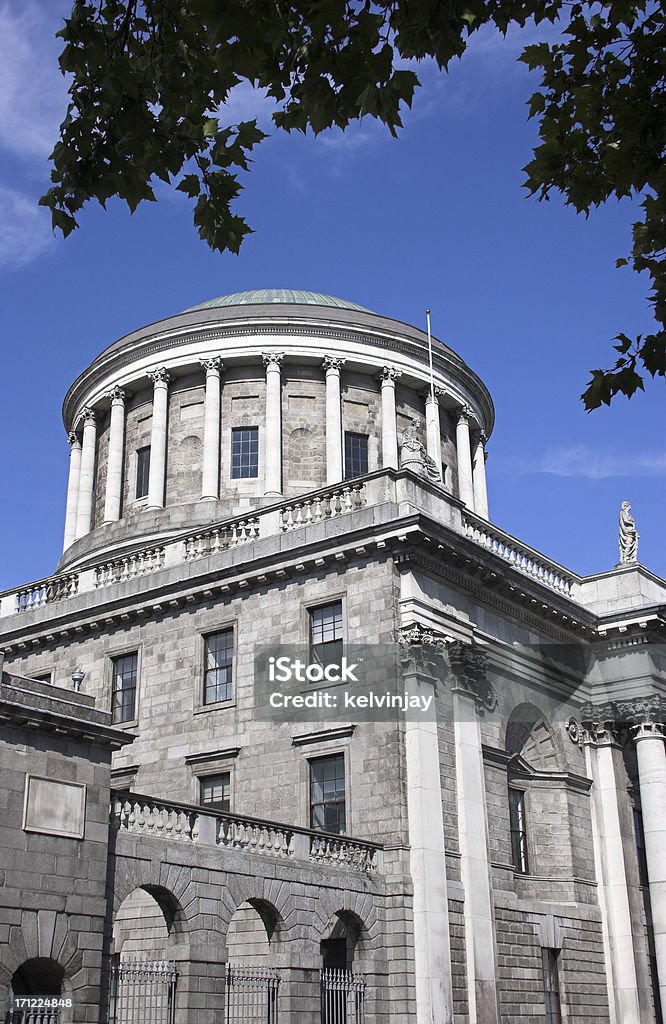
(346, 499)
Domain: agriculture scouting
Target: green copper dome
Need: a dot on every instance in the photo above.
(283, 296)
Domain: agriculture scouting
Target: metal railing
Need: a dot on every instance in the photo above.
(37, 1016)
(251, 995)
(342, 997)
(142, 992)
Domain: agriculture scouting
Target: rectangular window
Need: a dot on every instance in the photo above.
(327, 794)
(43, 677)
(142, 471)
(215, 791)
(356, 455)
(123, 687)
(244, 452)
(219, 660)
(518, 830)
(326, 634)
(551, 986)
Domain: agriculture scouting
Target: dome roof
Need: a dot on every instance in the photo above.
(285, 296)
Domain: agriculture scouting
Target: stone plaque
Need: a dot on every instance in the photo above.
(54, 807)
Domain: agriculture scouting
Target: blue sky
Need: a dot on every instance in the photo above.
(526, 292)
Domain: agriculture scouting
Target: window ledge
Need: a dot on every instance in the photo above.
(220, 705)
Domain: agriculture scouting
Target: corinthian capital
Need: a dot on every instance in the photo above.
(389, 373)
(159, 375)
(469, 665)
(272, 360)
(116, 394)
(481, 438)
(73, 438)
(212, 364)
(463, 414)
(88, 415)
(333, 363)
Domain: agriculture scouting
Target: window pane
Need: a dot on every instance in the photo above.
(123, 688)
(327, 794)
(356, 454)
(216, 791)
(142, 471)
(218, 666)
(518, 830)
(551, 986)
(326, 634)
(244, 452)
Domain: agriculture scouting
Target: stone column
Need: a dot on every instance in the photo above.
(72, 489)
(433, 430)
(334, 471)
(114, 465)
(464, 456)
(479, 475)
(84, 510)
(427, 854)
(210, 476)
(273, 474)
(605, 767)
(387, 380)
(651, 756)
(158, 438)
(471, 694)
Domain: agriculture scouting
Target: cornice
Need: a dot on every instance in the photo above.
(115, 360)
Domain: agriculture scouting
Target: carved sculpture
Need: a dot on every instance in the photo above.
(628, 535)
(414, 456)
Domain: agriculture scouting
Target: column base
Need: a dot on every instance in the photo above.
(273, 494)
(208, 497)
(153, 508)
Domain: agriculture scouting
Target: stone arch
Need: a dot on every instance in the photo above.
(352, 919)
(148, 920)
(271, 898)
(529, 735)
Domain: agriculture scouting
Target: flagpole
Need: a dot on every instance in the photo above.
(432, 376)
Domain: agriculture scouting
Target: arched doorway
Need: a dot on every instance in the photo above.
(342, 987)
(143, 978)
(39, 977)
(252, 981)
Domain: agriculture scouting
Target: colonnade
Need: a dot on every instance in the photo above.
(83, 440)
(617, 866)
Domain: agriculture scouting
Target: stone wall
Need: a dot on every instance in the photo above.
(52, 898)
(270, 774)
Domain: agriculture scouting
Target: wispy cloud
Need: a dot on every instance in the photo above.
(32, 90)
(584, 461)
(32, 104)
(26, 229)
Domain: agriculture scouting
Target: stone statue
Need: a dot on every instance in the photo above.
(413, 454)
(628, 536)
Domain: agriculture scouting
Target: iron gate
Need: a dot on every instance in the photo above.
(342, 997)
(252, 995)
(41, 1016)
(142, 992)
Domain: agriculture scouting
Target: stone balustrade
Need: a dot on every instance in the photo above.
(520, 556)
(402, 490)
(221, 537)
(148, 816)
(324, 505)
(127, 568)
(55, 588)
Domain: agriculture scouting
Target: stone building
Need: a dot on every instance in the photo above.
(281, 471)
